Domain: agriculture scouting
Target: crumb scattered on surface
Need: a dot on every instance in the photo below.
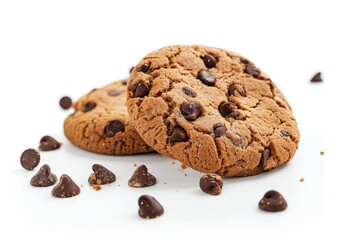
(135, 165)
(302, 180)
(81, 185)
(165, 183)
(322, 153)
(96, 187)
(183, 166)
(185, 174)
(173, 162)
(159, 155)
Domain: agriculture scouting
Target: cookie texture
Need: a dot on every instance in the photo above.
(212, 110)
(101, 123)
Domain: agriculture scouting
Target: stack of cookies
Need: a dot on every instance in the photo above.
(213, 110)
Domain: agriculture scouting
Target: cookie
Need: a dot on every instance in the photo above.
(211, 109)
(101, 124)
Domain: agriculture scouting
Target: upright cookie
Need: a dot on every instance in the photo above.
(212, 110)
(101, 124)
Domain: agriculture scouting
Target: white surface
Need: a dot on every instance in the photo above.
(49, 49)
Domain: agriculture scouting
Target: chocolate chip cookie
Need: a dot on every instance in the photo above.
(211, 109)
(101, 124)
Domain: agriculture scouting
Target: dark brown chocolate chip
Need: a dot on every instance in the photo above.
(115, 92)
(285, 133)
(206, 77)
(209, 61)
(48, 143)
(141, 178)
(316, 78)
(191, 110)
(65, 102)
(189, 91)
(178, 134)
(101, 175)
(124, 82)
(65, 188)
(236, 90)
(145, 67)
(244, 60)
(140, 90)
(89, 106)
(234, 115)
(113, 128)
(149, 207)
(226, 108)
(219, 129)
(252, 70)
(273, 201)
(132, 68)
(44, 177)
(265, 155)
(29, 159)
(211, 183)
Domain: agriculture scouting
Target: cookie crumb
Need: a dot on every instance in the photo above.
(135, 165)
(185, 175)
(96, 187)
(183, 166)
(322, 153)
(302, 180)
(159, 155)
(81, 185)
(173, 163)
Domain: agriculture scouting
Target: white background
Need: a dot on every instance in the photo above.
(53, 48)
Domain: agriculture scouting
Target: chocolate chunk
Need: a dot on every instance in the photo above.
(265, 155)
(219, 129)
(44, 177)
(236, 90)
(89, 106)
(141, 178)
(178, 134)
(189, 91)
(191, 110)
(29, 159)
(273, 201)
(140, 90)
(101, 175)
(211, 183)
(209, 61)
(65, 102)
(149, 207)
(206, 77)
(252, 70)
(65, 188)
(48, 143)
(113, 128)
(316, 78)
(124, 82)
(285, 133)
(234, 115)
(145, 67)
(244, 60)
(115, 92)
(132, 68)
(226, 108)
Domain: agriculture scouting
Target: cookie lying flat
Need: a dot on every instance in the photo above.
(101, 124)
(211, 109)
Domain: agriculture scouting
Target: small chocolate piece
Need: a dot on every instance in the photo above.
(265, 155)
(252, 70)
(124, 82)
(244, 60)
(219, 130)
(140, 90)
(209, 61)
(145, 67)
(115, 92)
(191, 110)
(48, 143)
(273, 201)
(316, 78)
(285, 133)
(236, 90)
(113, 128)
(149, 207)
(29, 159)
(65, 188)
(65, 102)
(234, 115)
(178, 134)
(206, 77)
(226, 108)
(44, 177)
(141, 178)
(211, 183)
(89, 106)
(189, 91)
(101, 175)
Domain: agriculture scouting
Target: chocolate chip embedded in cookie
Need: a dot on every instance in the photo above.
(211, 109)
(101, 124)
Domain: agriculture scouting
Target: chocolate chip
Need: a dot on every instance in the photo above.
(191, 110)
(316, 78)
(252, 70)
(265, 155)
(178, 134)
(189, 91)
(141, 178)
(124, 82)
(145, 67)
(44, 177)
(29, 159)
(211, 183)
(206, 77)
(244, 60)
(236, 139)
(209, 61)
(149, 207)
(132, 68)
(101, 175)
(140, 90)
(273, 201)
(236, 90)
(226, 108)
(285, 133)
(65, 102)
(113, 128)
(219, 130)
(89, 106)
(65, 188)
(48, 143)
(115, 92)
(234, 115)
